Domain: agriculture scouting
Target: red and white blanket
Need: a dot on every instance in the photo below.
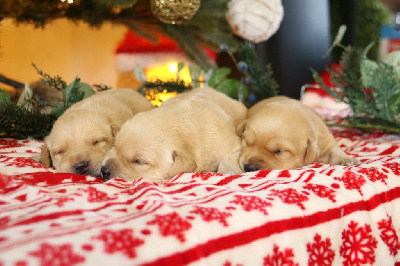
(316, 215)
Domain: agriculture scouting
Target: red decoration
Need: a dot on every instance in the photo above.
(373, 174)
(250, 203)
(290, 196)
(389, 235)
(358, 245)
(322, 191)
(352, 181)
(281, 258)
(211, 214)
(320, 252)
(120, 241)
(171, 224)
(395, 167)
(95, 195)
(133, 43)
(62, 255)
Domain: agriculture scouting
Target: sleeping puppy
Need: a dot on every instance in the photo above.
(192, 132)
(283, 133)
(82, 135)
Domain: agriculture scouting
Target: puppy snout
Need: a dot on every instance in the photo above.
(250, 168)
(105, 173)
(81, 167)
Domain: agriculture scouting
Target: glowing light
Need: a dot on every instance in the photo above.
(157, 98)
(173, 67)
(168, 72)
(165, 73)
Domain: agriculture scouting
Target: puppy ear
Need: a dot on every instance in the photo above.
(183, 162)
(114, 130)
(45, 158)
(240, 129)
(312, 150)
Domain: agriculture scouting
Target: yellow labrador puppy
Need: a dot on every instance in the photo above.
(82, 136)
(283, 133)
(192, 132)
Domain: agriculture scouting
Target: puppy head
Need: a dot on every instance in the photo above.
(78, 144)
(142, 151)
(273, 140)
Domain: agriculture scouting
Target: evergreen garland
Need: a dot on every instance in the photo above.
(28, 117)
(208, 26)
(370, 88)
(20, 123)
(263, 84)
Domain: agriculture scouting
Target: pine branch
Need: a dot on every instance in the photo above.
(171, 86)
(263, 83)
(189, 45)
(386, 129)
(371, 89)
(21, 123)
(54, 82)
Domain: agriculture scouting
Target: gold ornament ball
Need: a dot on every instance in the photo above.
(174, 11)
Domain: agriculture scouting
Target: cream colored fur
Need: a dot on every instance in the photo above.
(193, 132)
(85, 132)
(283, 133)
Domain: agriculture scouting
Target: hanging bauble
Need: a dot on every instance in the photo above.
(174, 11)
(254, 20)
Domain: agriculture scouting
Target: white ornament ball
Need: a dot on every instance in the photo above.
(254, 20)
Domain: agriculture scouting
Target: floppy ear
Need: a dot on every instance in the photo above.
(114, 130)
(183, 163)
(312, 150)
(240, 129)
(45, 158)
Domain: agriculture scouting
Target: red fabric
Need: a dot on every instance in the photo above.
(316, 215)
(133, 43)
(327, 79)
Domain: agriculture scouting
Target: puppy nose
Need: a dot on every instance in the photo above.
(250, 168)
(105, 173)
(81, 167)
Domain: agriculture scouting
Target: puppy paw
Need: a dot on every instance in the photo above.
(338, 157)
(230, 165)
(229, 170)
(349, 161)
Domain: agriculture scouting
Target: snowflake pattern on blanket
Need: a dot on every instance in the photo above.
(316, 215)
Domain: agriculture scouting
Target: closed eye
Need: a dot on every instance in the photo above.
(58, 152)
(139, 161)
(98, 141)
(278, 151)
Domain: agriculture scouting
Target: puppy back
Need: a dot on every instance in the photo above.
(234, 109)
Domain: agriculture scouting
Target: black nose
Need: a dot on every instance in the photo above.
(250, 168)
(105, 173)
(81, 167)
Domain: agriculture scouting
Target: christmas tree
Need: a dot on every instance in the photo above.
(207, 25)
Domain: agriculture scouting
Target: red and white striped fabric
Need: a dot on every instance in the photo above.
(316, 215)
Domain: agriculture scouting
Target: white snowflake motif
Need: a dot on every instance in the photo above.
(69, 1)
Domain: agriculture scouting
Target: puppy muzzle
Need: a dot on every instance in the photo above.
(81, 168)
(105, 173)
(250, 168)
